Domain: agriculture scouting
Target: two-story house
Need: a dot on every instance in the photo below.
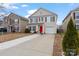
(44, 20)
(15, 23)
(74, 14)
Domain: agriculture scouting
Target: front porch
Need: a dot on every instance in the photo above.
(37, 28)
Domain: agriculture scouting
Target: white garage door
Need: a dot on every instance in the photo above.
(49, 30)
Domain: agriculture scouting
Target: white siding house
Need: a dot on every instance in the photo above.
(45, 19)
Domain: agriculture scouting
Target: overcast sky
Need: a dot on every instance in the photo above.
(24, 9)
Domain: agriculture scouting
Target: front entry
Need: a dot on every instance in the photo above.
(41, 29)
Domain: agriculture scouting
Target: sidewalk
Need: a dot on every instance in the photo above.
(39, 46)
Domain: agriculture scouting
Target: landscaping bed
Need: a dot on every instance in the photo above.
(12, 36)
(57, 48)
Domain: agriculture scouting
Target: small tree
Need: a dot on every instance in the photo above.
(70, 40)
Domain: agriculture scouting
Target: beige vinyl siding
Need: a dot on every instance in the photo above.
(22, 25)
(65, 23)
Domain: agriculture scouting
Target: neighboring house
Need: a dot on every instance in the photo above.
(15, 23)
(2, 29)
(1, 24)
(43, 20)
(74, 14)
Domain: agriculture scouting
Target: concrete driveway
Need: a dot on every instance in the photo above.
(42, 45)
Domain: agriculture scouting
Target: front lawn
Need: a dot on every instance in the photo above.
(11, 36)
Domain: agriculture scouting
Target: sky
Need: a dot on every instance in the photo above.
(26, 9)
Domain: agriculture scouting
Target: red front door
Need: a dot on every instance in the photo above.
(41, 29)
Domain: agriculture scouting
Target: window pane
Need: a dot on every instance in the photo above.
(77, 26)
(48, 19)
(33, 20)
(16, 20)
(77, 15)
(41, 19)
(77, 21)
(30, 20)
(52, 19)
(34, 28)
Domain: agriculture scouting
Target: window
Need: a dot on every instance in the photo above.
(48, 19)
(77, 21)
(34, 20)
(16, 20)
(30, 20)
(53, 19)
(42, 19)
(77, 15)
(77, 26)
(29, 28)
(34, 28)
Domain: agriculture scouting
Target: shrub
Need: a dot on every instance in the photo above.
(27, 30)
(70, 40)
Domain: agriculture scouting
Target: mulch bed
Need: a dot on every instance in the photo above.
(57, 48)
(11, 36)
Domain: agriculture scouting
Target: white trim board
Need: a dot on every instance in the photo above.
(15, 42)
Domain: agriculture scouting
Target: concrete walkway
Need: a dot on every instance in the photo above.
(42, 45)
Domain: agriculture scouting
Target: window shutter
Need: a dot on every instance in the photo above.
(74, 15)
(45, 19)
(39, 19)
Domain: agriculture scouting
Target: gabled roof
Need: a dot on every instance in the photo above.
(22, 18)
(44, 10)
(76, 9)
(67, 15)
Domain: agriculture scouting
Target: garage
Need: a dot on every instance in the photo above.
(50, 29)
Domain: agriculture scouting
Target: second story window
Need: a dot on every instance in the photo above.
(16, 20)
(38, 19)
(48, 18)
(77, 15)
(41, 19)
(53, 19)
(30, 20)
(34, 20)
